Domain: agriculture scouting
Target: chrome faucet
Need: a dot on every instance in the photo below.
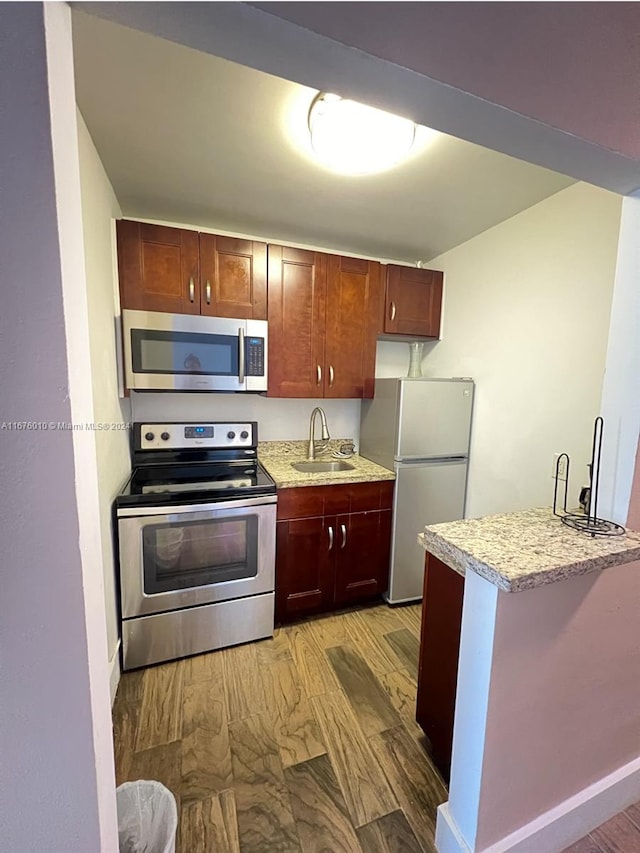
(325, 431)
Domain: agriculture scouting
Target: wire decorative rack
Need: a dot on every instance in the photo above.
(588, 522)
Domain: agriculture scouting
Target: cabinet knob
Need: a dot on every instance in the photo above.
(192, 290)
(392, 311)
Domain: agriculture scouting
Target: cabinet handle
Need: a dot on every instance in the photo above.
(330, 537)
(241, 355)
(192, 290)
(208, 292)
(343, 530)
(330, 376)
(319, 372)
(392, 311)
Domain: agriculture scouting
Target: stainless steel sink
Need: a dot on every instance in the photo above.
(321, 466)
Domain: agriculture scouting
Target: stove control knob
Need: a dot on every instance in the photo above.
(244, 434)
(149, 436)
(231, 435)
(165, 436)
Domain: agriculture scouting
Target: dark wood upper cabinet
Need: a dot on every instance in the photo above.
(322, 324)
(296, 313)
(353, 288)
(413, 302)
(183, 272)
(158, 268)
(233, 277)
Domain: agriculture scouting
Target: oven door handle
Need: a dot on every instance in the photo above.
(219, 506)
(241, 355)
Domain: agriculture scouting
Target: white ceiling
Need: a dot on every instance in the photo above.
(191, 138)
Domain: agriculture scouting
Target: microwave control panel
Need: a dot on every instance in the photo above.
(255, 356)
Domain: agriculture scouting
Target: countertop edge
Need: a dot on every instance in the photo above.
(461, 561)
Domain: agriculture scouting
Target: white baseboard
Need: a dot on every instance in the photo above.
(562, 825)
(448, 839)
(114, 673)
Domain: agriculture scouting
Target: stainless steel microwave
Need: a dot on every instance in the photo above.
(187, 352)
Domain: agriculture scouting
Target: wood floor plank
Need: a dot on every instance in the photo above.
(618, 835)
(633, 812)
(130, 686)
(265, 818)
(377, 656)
(327, 631)
(206, 754)
(243, 686)
(207, 667)
(318, 806)
(407, 649)
(274, 649)
(311, 663)
(160, 719)
(369, 700)
(585, 845)
(402, 691)
(290, 715)
(125, 727)
(383, 619)
(210, 826)
(389, 834)
(363, 784)
(161, 763)
(411, 615)
(415, 783)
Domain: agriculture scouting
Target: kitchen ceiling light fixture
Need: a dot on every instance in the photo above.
(355, 139)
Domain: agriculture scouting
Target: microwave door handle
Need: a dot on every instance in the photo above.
(241, 356)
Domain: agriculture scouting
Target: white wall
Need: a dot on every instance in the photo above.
(57, 777)
(526, 314)
(277, 419)
(99, 208)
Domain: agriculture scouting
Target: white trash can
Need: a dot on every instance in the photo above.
(147, 817)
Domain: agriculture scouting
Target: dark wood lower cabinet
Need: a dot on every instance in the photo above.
(439, 651)
(332, 547)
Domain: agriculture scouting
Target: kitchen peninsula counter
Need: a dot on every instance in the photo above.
(530, 700)
(277, 458)
(522, 550)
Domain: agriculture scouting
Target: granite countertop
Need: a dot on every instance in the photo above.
(277, 456)
(523, 550)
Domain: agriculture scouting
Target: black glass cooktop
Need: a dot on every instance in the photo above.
(153, 485)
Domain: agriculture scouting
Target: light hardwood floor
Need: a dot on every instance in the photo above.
(306, 742)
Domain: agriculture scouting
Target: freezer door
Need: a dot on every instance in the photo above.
(434, 418)
(425, 493)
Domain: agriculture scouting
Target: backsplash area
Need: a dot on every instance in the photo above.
(278, 419)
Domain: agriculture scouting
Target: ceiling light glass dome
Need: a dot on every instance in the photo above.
(354, 139)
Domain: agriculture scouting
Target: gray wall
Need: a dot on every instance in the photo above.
(50, 796)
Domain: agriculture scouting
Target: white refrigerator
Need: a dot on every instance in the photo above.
(419, 428)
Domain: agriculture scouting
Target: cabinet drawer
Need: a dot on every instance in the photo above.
(310, 501)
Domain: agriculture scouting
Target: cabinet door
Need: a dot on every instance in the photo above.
(233, 277)
(158, 268)
(296, 312)
(413, 301)
(439, 650)
(305, 551)
(353, 287)
(362, 556)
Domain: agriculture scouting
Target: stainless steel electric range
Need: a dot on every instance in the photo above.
(196, 539)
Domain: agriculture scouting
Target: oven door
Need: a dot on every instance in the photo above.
(176, 557)
(186, 352)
